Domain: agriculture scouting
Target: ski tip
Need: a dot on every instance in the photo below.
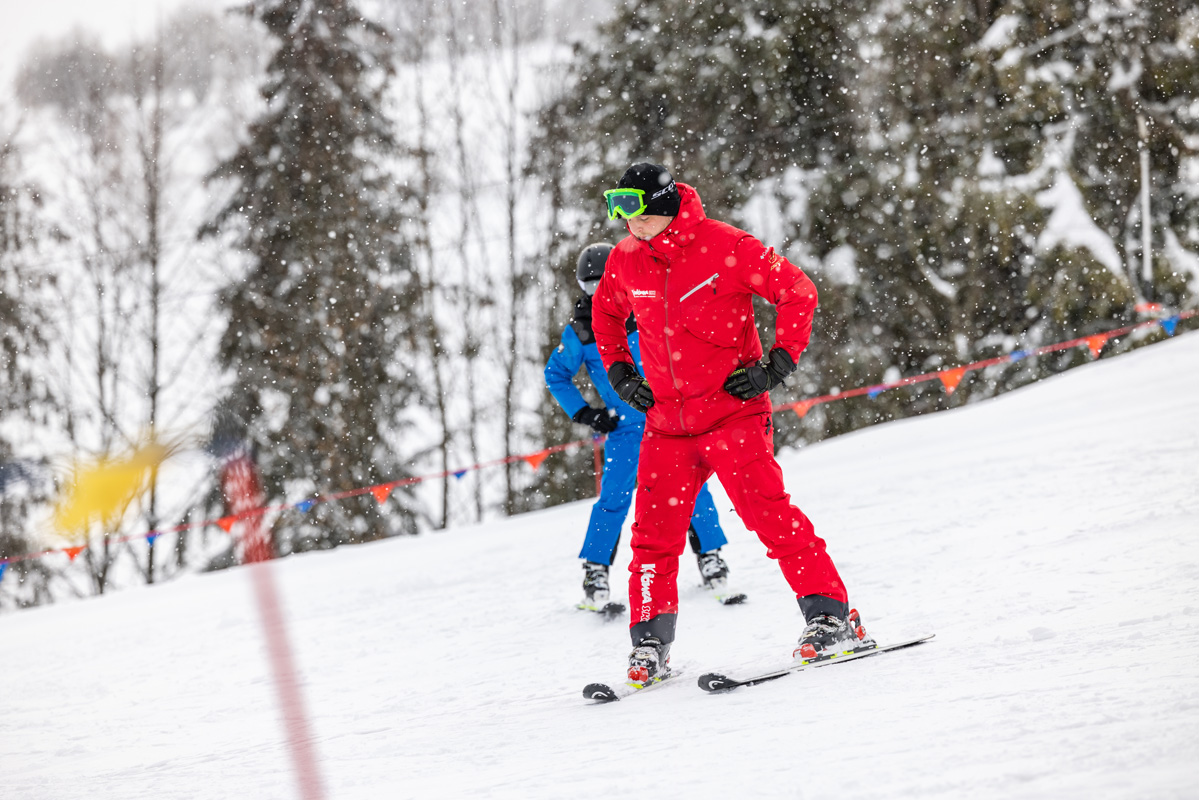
(609, 611)
(715, 682)
(613, 610)
(599, 692)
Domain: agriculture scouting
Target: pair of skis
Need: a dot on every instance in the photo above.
(713, 682)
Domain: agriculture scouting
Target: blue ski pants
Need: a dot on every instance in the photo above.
(622, 449)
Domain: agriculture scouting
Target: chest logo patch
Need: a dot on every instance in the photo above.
(647, 294)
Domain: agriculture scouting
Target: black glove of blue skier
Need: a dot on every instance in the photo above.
(601, 420)
(749, 382)
(632, 388)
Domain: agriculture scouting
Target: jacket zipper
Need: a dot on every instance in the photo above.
(666, 323)
(699, 286)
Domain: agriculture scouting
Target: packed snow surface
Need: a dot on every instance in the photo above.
(1048, 538)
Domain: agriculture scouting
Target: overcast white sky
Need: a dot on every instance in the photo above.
(23, 23)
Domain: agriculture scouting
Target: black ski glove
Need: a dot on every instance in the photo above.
(749, 382)
(600, 419)
(632, 388)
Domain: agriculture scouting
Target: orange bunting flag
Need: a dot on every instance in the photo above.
(226, 523)
(535, 459)
(951, 378)
(1096, 343)
(802, 407)
(381, 493)
(73, 551)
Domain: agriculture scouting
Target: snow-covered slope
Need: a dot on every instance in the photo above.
(1048, 537)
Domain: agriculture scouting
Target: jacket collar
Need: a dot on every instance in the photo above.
(681, 231)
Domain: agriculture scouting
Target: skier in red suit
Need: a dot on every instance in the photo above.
(690, 281)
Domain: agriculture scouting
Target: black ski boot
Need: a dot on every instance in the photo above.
(712, 570)
(595, 586)
(826, 636)
(649, 662)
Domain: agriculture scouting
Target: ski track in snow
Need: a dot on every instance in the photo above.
(1048, 538)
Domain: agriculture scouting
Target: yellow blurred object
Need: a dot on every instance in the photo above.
(102, 491)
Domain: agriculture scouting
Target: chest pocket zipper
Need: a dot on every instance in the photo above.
(699, 286)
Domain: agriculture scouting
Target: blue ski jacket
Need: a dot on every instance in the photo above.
(570, 356)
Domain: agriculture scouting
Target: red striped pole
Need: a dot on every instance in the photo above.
(287, 686)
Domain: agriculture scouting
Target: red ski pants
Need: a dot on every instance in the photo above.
(669, 475)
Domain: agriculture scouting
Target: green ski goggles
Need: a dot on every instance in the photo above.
(627, 203)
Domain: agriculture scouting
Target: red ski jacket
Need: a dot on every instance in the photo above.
(690, 289)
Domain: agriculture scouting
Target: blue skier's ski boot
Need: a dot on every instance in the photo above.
(595, 586)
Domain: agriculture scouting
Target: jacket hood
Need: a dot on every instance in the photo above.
(681, 229)
(691, 213)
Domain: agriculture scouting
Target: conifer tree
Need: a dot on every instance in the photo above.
(928, 138)
(23, 397)
(725, 93)
(940, 260)
(972, 125)
(316, 325)
(733, 96)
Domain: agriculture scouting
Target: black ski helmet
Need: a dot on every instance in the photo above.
(591, 266)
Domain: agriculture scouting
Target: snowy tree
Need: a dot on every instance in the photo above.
(77, 87)
(742, 100)
(1119, 78)
(24, 400)
(960, 179)
(468, 73)
(993, 179)
(317, 325)
(131, 341)
(725, 93)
